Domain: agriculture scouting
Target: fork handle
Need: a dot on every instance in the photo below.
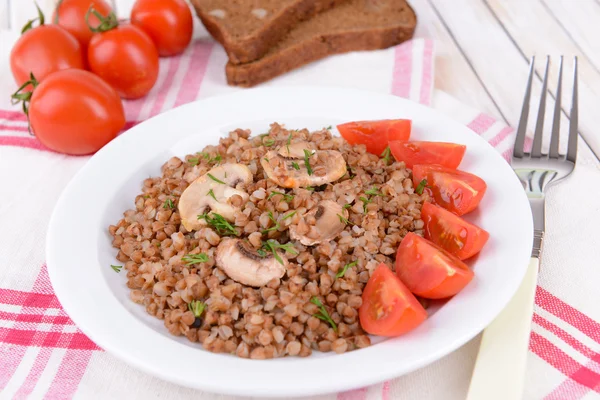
(499, 372)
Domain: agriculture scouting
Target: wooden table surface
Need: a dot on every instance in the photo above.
(483, 49)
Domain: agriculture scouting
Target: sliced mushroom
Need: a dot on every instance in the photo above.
(243, 264)
(287, 167)
(329, 219)
(219, 182)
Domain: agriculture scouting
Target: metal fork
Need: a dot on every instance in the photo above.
(500, 367)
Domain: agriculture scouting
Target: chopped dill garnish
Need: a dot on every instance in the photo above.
(287, 197)
(290, 215)
(323, 314)
(295, 166)
(421, 186)
(386, 155)
(169, 204)
(197, 307)
(274, 227)
(373, 192)
(217, 221)
(212, 194)
(344, 220)
(116, 268)
(268, 142)
(191, 259)
(341, 273)
(365, 202)
(307, 155)
(272, 245)
(215, 179)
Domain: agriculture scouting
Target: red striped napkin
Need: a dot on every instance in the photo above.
(44, 355)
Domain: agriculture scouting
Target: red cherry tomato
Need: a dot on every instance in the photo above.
(457, 191)
(388, 307)
(446, 154)
(168, 22)
(375, 134)
(429, 271)
(75, 112)
(452, 233)
(71, 15)
(43, 50)
(125, 57)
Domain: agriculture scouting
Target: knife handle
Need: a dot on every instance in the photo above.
(499, 372)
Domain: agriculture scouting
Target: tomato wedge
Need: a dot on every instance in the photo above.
(448, 155)
(457, 191)
(375, 134)
(452, 233)
(389, 308)
(428, 270)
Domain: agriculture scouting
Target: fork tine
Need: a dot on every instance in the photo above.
(536, 149)
(518, 150)
(572, 149)
(557, 111)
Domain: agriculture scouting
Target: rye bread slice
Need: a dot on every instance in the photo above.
(248, 28)
(353, 26)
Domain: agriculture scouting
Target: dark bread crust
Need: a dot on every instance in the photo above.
(256, 44)
(318, 47)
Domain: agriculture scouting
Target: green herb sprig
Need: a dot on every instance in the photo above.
(116, 268)
(272, 245)
(341, 273)
(274, 227)
(169, 204)
(421, 186)
(212, 194)
(386, 155)
(191, 259)
(215, 179)
(268, 142)
(295, 166)
(323, 315)
(287, 197)
(290, 215)
(307, 155)
(217, 221)
(344, 220)
(197, 307)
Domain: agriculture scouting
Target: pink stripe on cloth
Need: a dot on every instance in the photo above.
(71, 370)
(566, 337)
(34, 374)
(166, 87)
(481, 123)
(568, 389)
(427, 76)
(567, 313)
(26, 142)
(11, 115)
(13, 128)
(385, 391)
(496, 140)
(401, 79)
(10, 358)
(558, 359)
(357, 394)
(192, 79)
(11, 351)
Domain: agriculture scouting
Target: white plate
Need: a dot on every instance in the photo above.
(79, 251)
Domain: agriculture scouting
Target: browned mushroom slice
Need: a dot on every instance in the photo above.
(329, 221)
(211, 192)
(243, 264)
(288, 165)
